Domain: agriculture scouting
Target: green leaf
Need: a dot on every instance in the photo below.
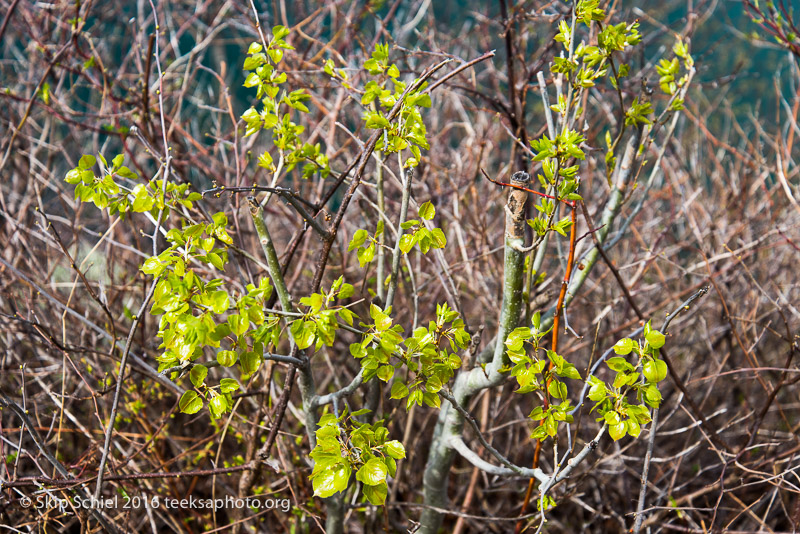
(142, 201)
(366, 255)
(331, 481)
(324, 484)
(624, 346)
(407, 242)
(399, 390)
(251, 81)
(633, 428)
(427, 211)
(395, 449)
(227, 358)
(190, 402)
(423, 100)
(655, 339)
(550, 425)
(198, 375)
(228, 385)
(372, 473)
(215, 260)
(220, 219)
(45, 91)
(655, 370)
(385, 372)
(86, 162)
(539, 433)
(219, 301)
(358, 239)
(249, 362)
(303, 333)
(569, 371)
(265, 160)
(345, 314)
(612, 417)
(376, 121)
(598, 391)
(433, 385)
(557, 389)
(238, 323)
(618, 431)
(152, 266)
(376, 494)
(423, 237)
(253, 62)
(346, 291)
(125, 172)
(218, 406)
(438, 237)
(279, 32)
(619, 364)
(341, 477)
(653, 396)
(414, 397)
(73, 177)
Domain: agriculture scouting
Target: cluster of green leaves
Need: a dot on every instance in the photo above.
(343, 446)
(623, 403)
(638, 112)
(245, 329)
(381, 340)
(584, 66)
(366, 245)
(195, 313)
(535, 373)
(105, 192)
(319, 323)
(383, 351)
(669, 71)
(276, 107)
(431, 355)
(407, 131)
(559, 176)
(589, 64)
(420, 235)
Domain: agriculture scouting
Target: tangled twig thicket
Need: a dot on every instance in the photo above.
(715, 204)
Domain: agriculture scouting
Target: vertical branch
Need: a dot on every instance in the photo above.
(273, 263)
(124, 360)
(556, 328)
(468, 384)
(408, 176)
(516, 104)
(380, 289)
(637, 525)
(306, 378)
(117, 392)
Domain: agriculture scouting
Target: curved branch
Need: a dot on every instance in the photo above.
(472, 457)
(322, 400)
(510, 467)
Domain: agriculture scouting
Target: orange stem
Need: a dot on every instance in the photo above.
(556, 324)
